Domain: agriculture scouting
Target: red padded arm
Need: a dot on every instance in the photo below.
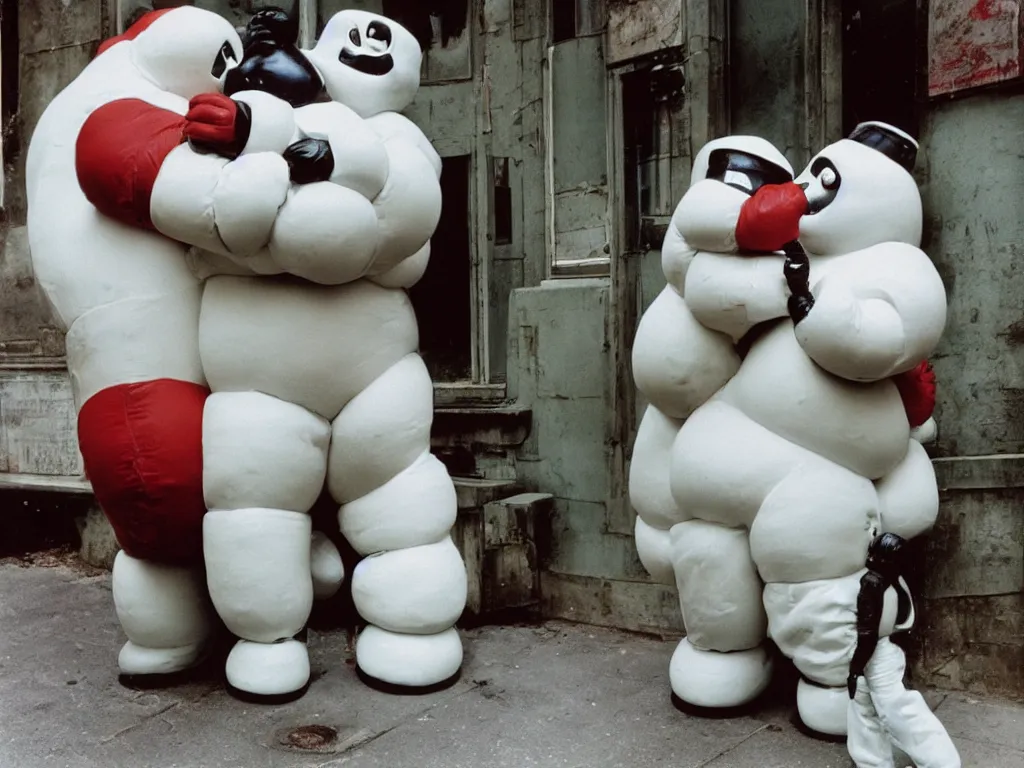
(118, 156)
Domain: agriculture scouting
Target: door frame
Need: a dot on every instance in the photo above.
(704, 55)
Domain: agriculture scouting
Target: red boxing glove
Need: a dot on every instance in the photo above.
(917, 390)
(771, 217)
(215, 123)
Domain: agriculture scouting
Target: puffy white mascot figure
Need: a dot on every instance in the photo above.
(142, 168)
(309, 343)
(775, 486)
(130, 307)
(679, 363)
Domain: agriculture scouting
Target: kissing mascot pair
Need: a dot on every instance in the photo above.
(226, 232)
(785, 369)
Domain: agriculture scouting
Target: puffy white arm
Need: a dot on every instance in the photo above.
(360, 160)
(676, 253)
(273, 122)
(222, 206)
(732, 294)
(707, 216)
(408, 272)
(876, 313)
(392, 126)
(378, 210)
(408, 208)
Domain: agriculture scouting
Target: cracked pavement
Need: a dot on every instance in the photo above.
(550, 695)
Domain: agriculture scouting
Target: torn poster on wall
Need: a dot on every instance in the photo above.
(973, 43)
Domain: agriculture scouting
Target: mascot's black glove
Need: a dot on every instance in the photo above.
(273, 62)
(797, 270)
(851, 685)
(310, 160)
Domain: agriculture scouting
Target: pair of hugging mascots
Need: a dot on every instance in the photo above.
(779, 464)
(226, 231)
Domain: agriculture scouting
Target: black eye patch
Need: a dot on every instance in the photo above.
(379, 31)
(819, 203)
(757, 170)
(220, 64)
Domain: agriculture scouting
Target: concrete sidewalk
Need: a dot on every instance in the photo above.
(554, 695)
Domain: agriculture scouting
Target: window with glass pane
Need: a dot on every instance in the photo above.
(576, 18)
(651, 107)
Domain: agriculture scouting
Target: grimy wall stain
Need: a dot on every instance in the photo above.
(971, 168)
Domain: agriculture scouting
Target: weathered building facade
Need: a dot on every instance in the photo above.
(567, 129)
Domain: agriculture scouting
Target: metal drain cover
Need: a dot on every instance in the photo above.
(311, 738)
(318, 738)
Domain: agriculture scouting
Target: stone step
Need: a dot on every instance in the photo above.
(504, 426)
(498, 530)
(499, 543)
(11, 481)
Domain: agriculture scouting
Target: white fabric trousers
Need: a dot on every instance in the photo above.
(884, 713)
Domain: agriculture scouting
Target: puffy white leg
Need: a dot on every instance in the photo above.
(867, 741)
(718, 680)
(398, 507)
(415, 591)
(165, 613)
(414, 661)
(258, 571)
(654, 547)
(809, 542)
(327, 569)
(914, 728)
(722, 662)
(823, 710)
(264, 463)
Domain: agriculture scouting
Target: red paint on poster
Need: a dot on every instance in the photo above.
(973, 43)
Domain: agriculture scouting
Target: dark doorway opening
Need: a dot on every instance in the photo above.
(443, 298)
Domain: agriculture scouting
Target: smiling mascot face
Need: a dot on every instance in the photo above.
(861, 192)
(368, 62)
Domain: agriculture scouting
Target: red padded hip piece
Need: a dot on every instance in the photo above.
(142, 445)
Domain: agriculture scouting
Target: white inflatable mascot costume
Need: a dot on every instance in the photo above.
(761, 478)
(130, 307)
(306, 221)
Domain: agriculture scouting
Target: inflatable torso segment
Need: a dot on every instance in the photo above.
(310, 345)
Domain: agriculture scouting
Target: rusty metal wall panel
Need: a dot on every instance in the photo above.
(973, 43)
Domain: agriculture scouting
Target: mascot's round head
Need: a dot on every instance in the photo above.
(369, 63)
(184, 50)
(860, 192)
(744, 162)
